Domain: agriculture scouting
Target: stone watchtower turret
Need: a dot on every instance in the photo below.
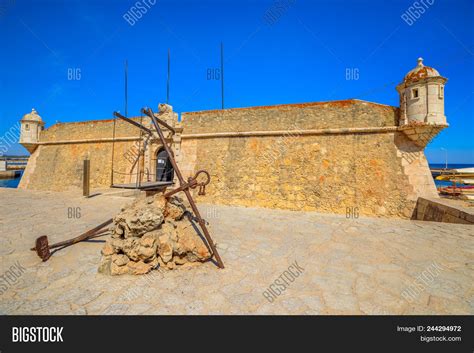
(422, 103)
(31, 127)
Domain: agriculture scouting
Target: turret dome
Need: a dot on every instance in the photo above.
(420, 72)
(33, 116)
(422, 96)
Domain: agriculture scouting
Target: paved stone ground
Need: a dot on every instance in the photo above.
(359, 266)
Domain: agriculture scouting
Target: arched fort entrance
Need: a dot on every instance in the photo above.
(164, 169)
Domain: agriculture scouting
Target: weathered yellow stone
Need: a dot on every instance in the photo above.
(291, 170)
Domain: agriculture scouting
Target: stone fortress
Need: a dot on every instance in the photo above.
(322, 156)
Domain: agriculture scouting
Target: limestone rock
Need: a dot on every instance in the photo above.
(190, 243)
(139, 268)
(104, 265)
(152, 232)
(144, 215)
(120, 260)
(175, 209)
(165, 248)
(118, 270)
(130, 247)
(108, 249)
(171, 265)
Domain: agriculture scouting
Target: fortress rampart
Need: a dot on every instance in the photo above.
(327, 157)
(342, 156)
(57, 162)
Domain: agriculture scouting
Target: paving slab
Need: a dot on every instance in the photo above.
(366, 266)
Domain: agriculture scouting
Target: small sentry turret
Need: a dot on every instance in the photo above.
(31, 127)
(422, 96)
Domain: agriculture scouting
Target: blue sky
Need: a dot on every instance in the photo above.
(302, 57)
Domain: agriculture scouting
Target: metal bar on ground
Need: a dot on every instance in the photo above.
(83, 236)
(43, 249)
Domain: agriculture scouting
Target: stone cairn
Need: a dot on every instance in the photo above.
(152, 233)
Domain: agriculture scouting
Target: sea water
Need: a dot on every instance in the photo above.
(10, 183)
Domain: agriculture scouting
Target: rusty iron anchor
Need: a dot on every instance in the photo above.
(43, 249)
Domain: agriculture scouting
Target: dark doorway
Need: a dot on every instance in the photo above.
(164, 169)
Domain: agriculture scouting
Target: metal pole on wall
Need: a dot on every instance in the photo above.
(222, 74)
(126, 88)
(86, 178)
(168, 80)
(445, 157)
(113, 155)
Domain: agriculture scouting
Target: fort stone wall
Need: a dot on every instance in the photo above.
(340, 157)
(336, 157)
(57, 163)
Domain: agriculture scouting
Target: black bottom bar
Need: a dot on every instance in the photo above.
(311, 334)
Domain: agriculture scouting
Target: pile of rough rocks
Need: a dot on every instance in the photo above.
(150, 233)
